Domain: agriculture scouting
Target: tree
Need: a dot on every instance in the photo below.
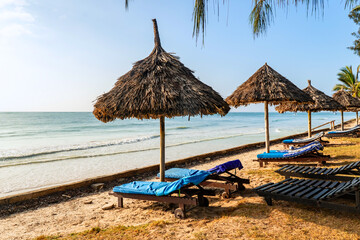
(350, 81)
(355, 16)
(262, 14)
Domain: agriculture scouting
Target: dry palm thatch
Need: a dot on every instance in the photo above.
(346, 100)
(267, 85)
(158, 86)
(349, 102)
(322, 102)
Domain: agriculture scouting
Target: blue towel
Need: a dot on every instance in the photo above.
(179, 173)
(226, 166)
(319, 135)
(183, 172)
(314, 146)
(345, 131)
(160, 188)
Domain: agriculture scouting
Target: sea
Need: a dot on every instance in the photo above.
(44, 149)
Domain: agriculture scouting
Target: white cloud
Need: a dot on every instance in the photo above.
(14, 19)
(5, 3)
(14, 30)
(17, 14)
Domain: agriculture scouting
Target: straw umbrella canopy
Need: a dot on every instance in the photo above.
(159, 86)
(267, 86)
(322, 103)
(349, 102)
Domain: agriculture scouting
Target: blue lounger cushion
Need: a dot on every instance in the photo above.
(183, 172)
(160, 188)
(345, 131)
(319, 135)
(315, 146)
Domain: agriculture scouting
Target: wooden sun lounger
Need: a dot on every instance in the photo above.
(230, 183)
(344, 173)
(317, 193)
(187, 199)
(309, 157)
(353, 133)
(300, 144)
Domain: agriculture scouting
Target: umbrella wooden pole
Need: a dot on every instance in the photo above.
(342, 120)
(162, 149)
(357, 117)
(309, 123)
(267, 138)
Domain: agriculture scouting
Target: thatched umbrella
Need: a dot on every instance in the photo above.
(322, 103)
(158, 86)
(267, 86)
(349, 102)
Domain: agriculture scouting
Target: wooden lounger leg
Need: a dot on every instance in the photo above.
(261, 163)
(357, 199)
(120, 202)
(180, 212)
(268, 200)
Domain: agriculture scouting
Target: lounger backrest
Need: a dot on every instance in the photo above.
(345, 187)
(230, 165)
(316, 146)
(177, 185)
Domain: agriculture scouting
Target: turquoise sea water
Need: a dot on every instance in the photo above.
(45, 149)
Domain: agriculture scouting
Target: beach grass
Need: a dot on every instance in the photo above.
(246, 216)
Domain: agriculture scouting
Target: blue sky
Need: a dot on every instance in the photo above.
(59, 55)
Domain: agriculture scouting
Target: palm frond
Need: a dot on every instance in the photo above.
(261, 16)
(199, 17)
(338, 87)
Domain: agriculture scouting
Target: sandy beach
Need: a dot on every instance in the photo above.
(244, 216)
(74, 215)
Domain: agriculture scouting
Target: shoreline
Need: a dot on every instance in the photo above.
(53, 194)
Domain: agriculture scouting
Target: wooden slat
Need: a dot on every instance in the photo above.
(314, 170)
(295, 170)
(310, 169)
(334, 171)
(327, 171)
(305, 182)
(290, 189)
(350, 165)
(325, 184)
(312, 182)
(287, 186)
(292, 193)
(334, 184)
(283, 169)
(320, 194)
(312, 193)
(264, 187)
(291, 168)
(322, 171)
(319, 183)
(301, 169)
(305, 191)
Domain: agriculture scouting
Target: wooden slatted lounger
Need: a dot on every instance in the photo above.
(177, 192)
(308, 153)
(220, 177)
(301, 142)
(352, 132)
(319, 193)
(344, 173)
